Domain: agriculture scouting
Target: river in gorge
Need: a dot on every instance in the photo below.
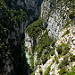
(27, 56)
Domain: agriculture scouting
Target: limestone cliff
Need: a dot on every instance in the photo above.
(56, 15)
(50, 55)
(44, 29)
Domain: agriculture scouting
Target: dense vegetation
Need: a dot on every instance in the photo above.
(47, 70)
(63, 71)
(67, 32)
(63, 49)
(11, 18)
(9, 52)
(43, 48)
(72, 72)
(35, 28)
(72, 58)
(64, 62)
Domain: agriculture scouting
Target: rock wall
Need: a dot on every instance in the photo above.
(31, 6)
(55, 15)
(52, 62)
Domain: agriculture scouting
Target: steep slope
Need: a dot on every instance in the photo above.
(12, 56)
(32, 7)
(40, 32)
(15, 16)
(54, 46)
(56, 15)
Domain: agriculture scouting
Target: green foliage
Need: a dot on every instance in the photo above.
(41, 72)
(19, 15)
(67, 24)
(72, 72)
(32, 62)
(67, 32)
(44, 59)
(46, 40)
(47, 70)
(63, 49)
(33, 73)
(71, 14)
(64, 62)
(56, 59)
(9, 20)
(52, 51)
(43, 47)
(62, 71)
(35, 28)
(72, 58)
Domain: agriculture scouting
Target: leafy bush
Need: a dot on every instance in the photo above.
(64, 62)
(62, 71)
(63, 49)
(59, 49)
(72, 58)
(72, 72)
(35, 28)
(32, 62)
(67, 32)
(43, 47)
(52, 52)
(71, 14)
(41, 72)
(47, 70)
(44, 59)
(33, 73)
(56, 59)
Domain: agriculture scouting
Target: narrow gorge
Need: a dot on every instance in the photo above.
(37, 37)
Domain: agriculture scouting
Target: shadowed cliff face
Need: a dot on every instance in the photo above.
(13, 22)
(12, 55)
(31, 6)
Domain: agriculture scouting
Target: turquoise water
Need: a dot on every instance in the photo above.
(27, 56)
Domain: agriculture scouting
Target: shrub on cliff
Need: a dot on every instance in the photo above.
(47, 70)
(35, 28)
(72, 58)
(62, 71)
(41, 72)
(64, 62)
(63, 49)
(72, 72)
(71, 14)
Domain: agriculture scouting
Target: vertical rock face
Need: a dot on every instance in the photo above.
(15, 63)
(55, 15)
(28, 41)
(32, 6)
